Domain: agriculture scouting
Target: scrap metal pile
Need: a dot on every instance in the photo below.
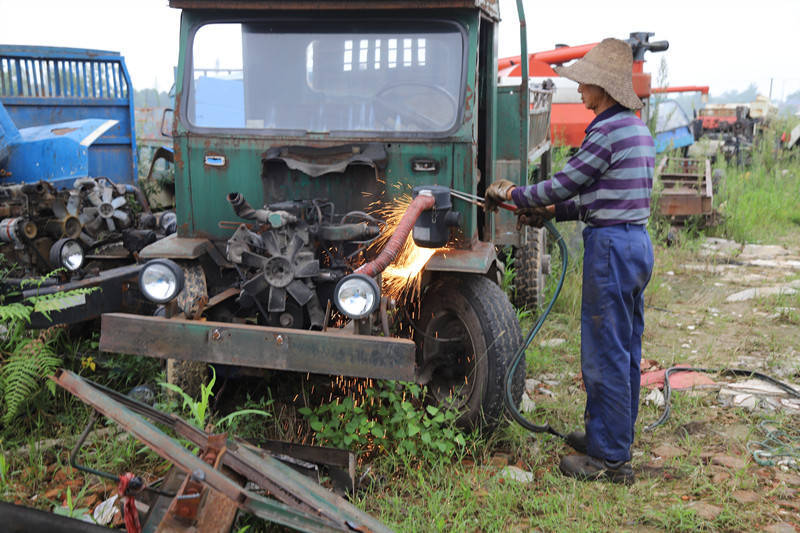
(204, 493)
(43, 229)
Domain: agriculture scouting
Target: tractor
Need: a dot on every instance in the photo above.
(310, 140)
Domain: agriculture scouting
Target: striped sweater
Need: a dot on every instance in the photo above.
(608, 181)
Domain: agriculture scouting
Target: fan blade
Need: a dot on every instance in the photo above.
(271, 244)
(253, 260)
(74, 204)
(94, 225)
(294, 246)
(307, 269)
(58, 210)
(255, 285)
(119, 201)
(111, 225)
(277, 300)
(122, 217)
(300, 292)
(108, 194)
(86, 238)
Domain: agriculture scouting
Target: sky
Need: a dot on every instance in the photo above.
(720, 43)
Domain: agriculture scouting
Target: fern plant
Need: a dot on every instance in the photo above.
(26, 356)
(26, 361)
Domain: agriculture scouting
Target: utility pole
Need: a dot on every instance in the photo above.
(770, 88)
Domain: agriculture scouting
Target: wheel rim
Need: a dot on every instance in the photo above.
(452, 358)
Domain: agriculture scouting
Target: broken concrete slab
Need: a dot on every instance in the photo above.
(761, 292)
(780, 527)
(704, 510)
(516, 474)
(552, 343)
(527, 405)
(745, 496)
(717, 246)
(729, 461)
(669, 452)
(762, 251)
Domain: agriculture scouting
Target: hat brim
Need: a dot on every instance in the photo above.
(587, 73)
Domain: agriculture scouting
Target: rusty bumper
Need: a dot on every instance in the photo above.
(259, 346)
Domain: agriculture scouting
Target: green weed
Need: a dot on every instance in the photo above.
(197, 409)
(389, 419)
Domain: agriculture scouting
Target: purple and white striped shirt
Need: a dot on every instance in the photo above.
(611, 175)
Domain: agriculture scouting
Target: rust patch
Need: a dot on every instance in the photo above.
(62, 131)
(178, 156)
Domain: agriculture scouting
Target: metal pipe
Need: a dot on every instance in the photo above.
(422, 202)
(524, 97)
(703, 89)
(241, 207)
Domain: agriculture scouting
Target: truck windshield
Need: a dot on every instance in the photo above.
(346, 77)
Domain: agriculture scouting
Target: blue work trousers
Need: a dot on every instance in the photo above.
(617, 264)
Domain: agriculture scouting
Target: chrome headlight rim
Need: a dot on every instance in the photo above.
(368, 283)
(167, 265)
(69, 246)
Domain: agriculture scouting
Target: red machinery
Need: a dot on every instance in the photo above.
(569, 117)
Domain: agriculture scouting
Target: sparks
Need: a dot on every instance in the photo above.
(402, 279)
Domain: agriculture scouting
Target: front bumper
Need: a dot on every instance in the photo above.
(330, 352)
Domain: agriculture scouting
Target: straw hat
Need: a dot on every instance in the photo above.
(609, 65)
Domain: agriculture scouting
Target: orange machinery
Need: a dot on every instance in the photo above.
(569, 117)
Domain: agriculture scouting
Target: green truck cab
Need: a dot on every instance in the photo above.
(314, 114)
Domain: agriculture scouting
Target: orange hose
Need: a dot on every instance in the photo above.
(419, 204)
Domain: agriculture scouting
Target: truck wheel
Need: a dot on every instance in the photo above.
(531, 266)
(467, 335)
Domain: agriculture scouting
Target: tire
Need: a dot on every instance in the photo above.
(531, 266)
(462, 316)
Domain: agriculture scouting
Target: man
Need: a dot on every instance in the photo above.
(606, 184)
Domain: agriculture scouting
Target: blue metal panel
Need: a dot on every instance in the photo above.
(672, 139)
(42, 85)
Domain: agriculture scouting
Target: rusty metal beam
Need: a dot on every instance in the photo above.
(259, 346)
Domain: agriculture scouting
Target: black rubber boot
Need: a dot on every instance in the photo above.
(588, 468)
(577, 440)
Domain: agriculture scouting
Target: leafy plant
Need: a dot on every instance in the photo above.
(69, 508)
(389, 418)
(197, 408)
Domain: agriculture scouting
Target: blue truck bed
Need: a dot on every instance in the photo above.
(41, 85)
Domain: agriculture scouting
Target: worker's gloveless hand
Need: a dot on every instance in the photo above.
(533, 216)
(497, 193)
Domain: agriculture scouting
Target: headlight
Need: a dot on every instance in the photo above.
(161, 280)
(356, 295)
(67, 253)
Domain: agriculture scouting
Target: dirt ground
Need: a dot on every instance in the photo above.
(725, 305)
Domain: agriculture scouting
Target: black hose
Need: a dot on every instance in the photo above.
(729, 371)
(509, 396)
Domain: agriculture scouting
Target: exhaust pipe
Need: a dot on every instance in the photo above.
(424, 201)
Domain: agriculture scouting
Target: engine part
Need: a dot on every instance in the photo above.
(432, 228)
(105, 209)
(13, 230)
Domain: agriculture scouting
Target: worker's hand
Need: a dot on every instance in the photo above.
(533, 216)
(498, 193)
